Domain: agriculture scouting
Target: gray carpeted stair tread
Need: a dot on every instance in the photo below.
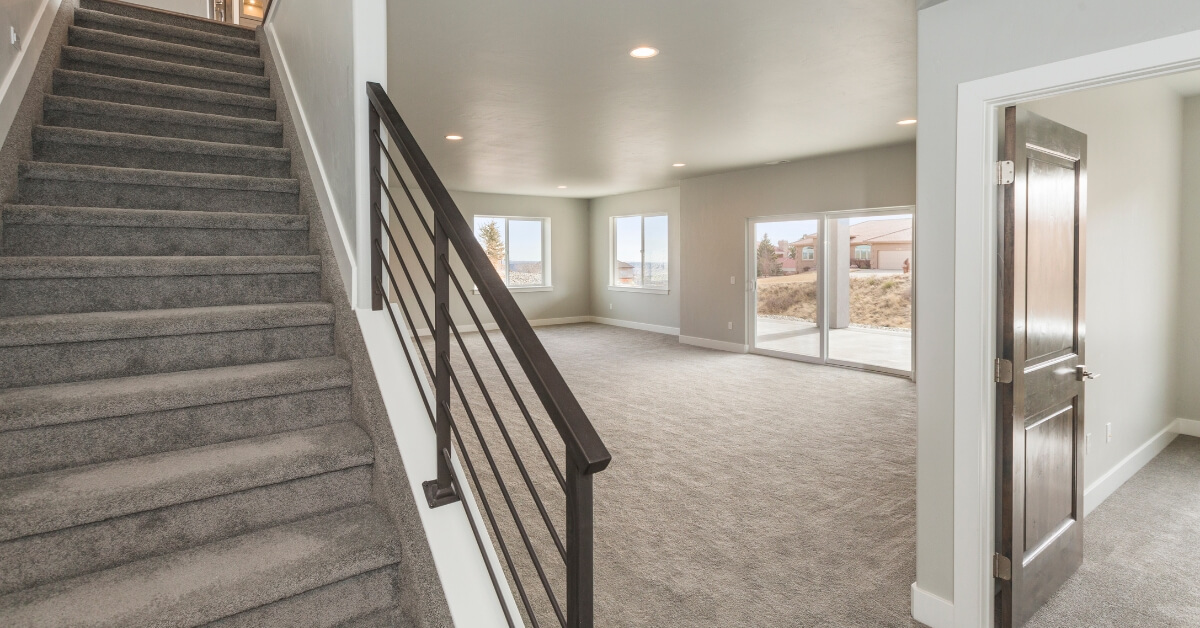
(148, 218)
(134, 27)
(150, 70)
(158, 178)
(117, 43)
(330, 606)
(38, 406)
(18, 331)
(167, 17)
(92, 86)
(35, 560)
(209, 582)
(35, 504)
(71, 267)
(101, 115)
(57, 144)
(108, 139)
(387, 617)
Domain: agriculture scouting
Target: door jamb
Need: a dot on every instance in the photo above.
(975, 283)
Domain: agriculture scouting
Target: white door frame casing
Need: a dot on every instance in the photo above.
(975, 283)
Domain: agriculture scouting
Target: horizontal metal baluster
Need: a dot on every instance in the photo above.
(408, 317)
(537, 434)
(411, 284)
(533, 557)
(408, 236)
(407, 191)
(487, 508)
(512, 448)
(479, 542)
(408, 356)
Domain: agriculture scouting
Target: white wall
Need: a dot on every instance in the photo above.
(714, 210)
(1135, 152)
(198, 8)
(32, 19)
(327, 52)
(959, 41)
(658, 310)
(1189, 347)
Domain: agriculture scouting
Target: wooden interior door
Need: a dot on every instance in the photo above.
(1041, 370)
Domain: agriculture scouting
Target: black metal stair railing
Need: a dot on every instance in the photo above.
(585, 453)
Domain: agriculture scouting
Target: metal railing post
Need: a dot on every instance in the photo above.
(376, 199)
(440, 492)
(580, 558)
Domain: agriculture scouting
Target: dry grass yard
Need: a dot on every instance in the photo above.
(875, 300)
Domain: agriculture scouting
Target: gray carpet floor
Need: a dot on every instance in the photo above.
(1141, 552)
(744, 490)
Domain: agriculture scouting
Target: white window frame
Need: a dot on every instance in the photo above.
(612, 254)
(547, 279)
(859, 248)
(808, 253)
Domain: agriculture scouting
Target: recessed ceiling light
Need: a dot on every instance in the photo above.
(678, 165)
(562, 187)
(454, 138)
(643, 52)
(908, 121)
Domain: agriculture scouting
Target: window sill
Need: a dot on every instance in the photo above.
(642, 290)
(524, 289)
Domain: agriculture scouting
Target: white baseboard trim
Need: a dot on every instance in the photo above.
(541, 322)
(1187, 427)
(616, 322)
(930, 609)
(719, 345)
(1107, 484)
(338, 238)
(14, 84)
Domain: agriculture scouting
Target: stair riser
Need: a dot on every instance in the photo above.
(329, 606)
(164, 78)
(41, 449)
(158, 128)
(198, 42)
(134, 196)
(72, 240)
(171, 19)
(64, 153)
(156, 55)
(34, 560)
(20, 297)
(36, 365)
(63, 88)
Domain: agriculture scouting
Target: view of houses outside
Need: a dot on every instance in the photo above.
(640, 252)
(515, 247)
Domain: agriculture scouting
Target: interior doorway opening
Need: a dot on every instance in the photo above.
(834, 288)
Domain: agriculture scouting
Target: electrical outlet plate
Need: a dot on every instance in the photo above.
(13, 37)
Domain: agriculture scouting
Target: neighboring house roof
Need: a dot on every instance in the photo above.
(624, 265)
(890, 231)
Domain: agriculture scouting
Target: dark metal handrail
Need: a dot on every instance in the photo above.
(585, 452)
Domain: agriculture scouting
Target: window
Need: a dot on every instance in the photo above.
(519, 249)
(862, 251)
(807, 254)
(640, 253)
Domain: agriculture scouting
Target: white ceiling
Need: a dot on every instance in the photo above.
(546, 94)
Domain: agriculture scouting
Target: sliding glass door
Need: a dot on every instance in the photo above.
(833, 288)
(785, 301)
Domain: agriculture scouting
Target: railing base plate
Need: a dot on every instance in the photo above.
(438, 498)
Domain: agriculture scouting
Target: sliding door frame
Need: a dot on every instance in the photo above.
(752, 286)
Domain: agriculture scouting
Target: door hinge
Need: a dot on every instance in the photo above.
(1005, 172)
(1004, 371)
(1001, 567)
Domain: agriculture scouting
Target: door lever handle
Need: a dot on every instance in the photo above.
(1082, 374)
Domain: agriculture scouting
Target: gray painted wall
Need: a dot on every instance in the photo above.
(1189, 347)
(714, 212)
(959, 41)
(198, 8)
(569, 252)
(651, 309)
(1133, 260)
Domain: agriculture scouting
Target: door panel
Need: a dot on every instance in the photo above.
(1041, 331)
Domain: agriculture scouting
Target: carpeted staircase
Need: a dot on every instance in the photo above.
(176, 444)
